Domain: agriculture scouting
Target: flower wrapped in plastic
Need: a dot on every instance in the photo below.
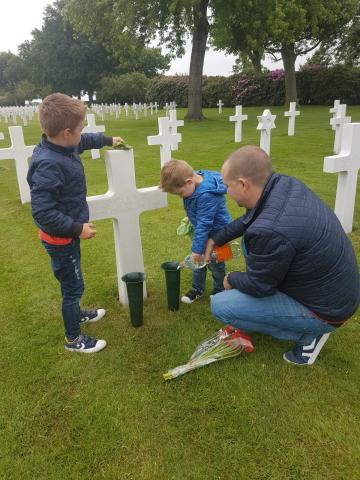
(226, 343)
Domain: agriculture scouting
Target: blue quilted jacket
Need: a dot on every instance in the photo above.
(206, 209)
(296, 245)
(58, 187)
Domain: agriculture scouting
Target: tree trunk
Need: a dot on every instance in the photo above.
(91, 98)
(200, 34)
(255, 57)
(288, 56)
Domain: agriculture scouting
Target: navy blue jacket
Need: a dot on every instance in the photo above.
(296, 245)
(206, 209)
(58, 186)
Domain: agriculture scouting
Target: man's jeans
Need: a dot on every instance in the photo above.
(65, 263)
(278, 315)
(218, 274)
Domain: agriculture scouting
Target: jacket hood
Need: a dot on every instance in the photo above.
(212, 182)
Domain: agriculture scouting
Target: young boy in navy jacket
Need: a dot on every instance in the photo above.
(204, 202)
(59, 208)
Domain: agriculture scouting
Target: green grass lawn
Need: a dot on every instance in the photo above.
(110, 415)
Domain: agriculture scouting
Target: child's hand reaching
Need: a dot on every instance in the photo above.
(116, 141)
(120, 144)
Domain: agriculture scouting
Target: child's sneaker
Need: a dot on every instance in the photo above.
(306, 354)
(90, 316)
(84, 344)
(192, 295)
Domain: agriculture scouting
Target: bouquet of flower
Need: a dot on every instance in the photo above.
(226, 343)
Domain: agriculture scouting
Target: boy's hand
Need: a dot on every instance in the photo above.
(88, 231)
(117, 141)
(197, 257)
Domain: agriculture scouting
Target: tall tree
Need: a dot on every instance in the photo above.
(56, 58)
(343, 48)
(288, 28)
(116, 22)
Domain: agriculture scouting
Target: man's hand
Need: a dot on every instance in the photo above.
(88, 231)
(227, 284)
(209, 248)
(116, 141)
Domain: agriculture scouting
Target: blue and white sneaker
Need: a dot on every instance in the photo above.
(84, 344)
(306, 354)
(90, 316)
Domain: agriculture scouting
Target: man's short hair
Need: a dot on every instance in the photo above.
(58, 112)
(174, 175)
(249, 162)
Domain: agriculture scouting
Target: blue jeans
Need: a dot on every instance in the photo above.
(278, 315)
(65, 263)
(218, 274)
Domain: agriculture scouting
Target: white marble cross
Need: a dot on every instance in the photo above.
(145, 110)
(347, 164)
(1, 136)
(124, 203)
(20, 153)
(136, 111)
(220, 105)
(91, 127)
(168, 141)
(238, 118)
(173, 124)
(338, 122)
(167, 108)
(292, 113)
(266, 123)
(333, 110)
(156, 107)
(126, 108)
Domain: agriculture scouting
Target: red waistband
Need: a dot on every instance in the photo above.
(54, 240)
(335, 323)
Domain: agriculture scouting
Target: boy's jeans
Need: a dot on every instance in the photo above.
(278, 315)
(65, 263)
(218, 274)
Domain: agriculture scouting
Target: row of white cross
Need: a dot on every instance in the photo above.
(124, 203)
(115, 108)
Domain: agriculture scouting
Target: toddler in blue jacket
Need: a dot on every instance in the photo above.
(203, 193)
(59, 208)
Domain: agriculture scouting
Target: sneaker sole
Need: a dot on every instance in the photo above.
(295, 363)
(100, 345)
(100, 315)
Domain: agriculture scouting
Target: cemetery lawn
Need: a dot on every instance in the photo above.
(110, 415)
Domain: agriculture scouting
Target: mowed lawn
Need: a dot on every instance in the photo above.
(111, 415)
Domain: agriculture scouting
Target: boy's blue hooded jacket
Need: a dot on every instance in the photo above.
(206, 209)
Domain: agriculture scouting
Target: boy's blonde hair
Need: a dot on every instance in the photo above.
(174, 175)
(58, 112)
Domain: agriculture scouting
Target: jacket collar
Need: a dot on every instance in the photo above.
(56, 148)
(250, 214)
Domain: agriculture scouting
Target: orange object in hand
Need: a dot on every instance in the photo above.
(223, 252)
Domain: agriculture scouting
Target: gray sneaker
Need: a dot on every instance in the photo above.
(84, 344)
(91, 316)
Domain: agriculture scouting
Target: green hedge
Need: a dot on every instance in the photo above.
(319, 85)
(316, 84)
(129, 88)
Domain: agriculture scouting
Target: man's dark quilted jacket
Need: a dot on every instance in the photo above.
(58, 187)
(296, 245)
